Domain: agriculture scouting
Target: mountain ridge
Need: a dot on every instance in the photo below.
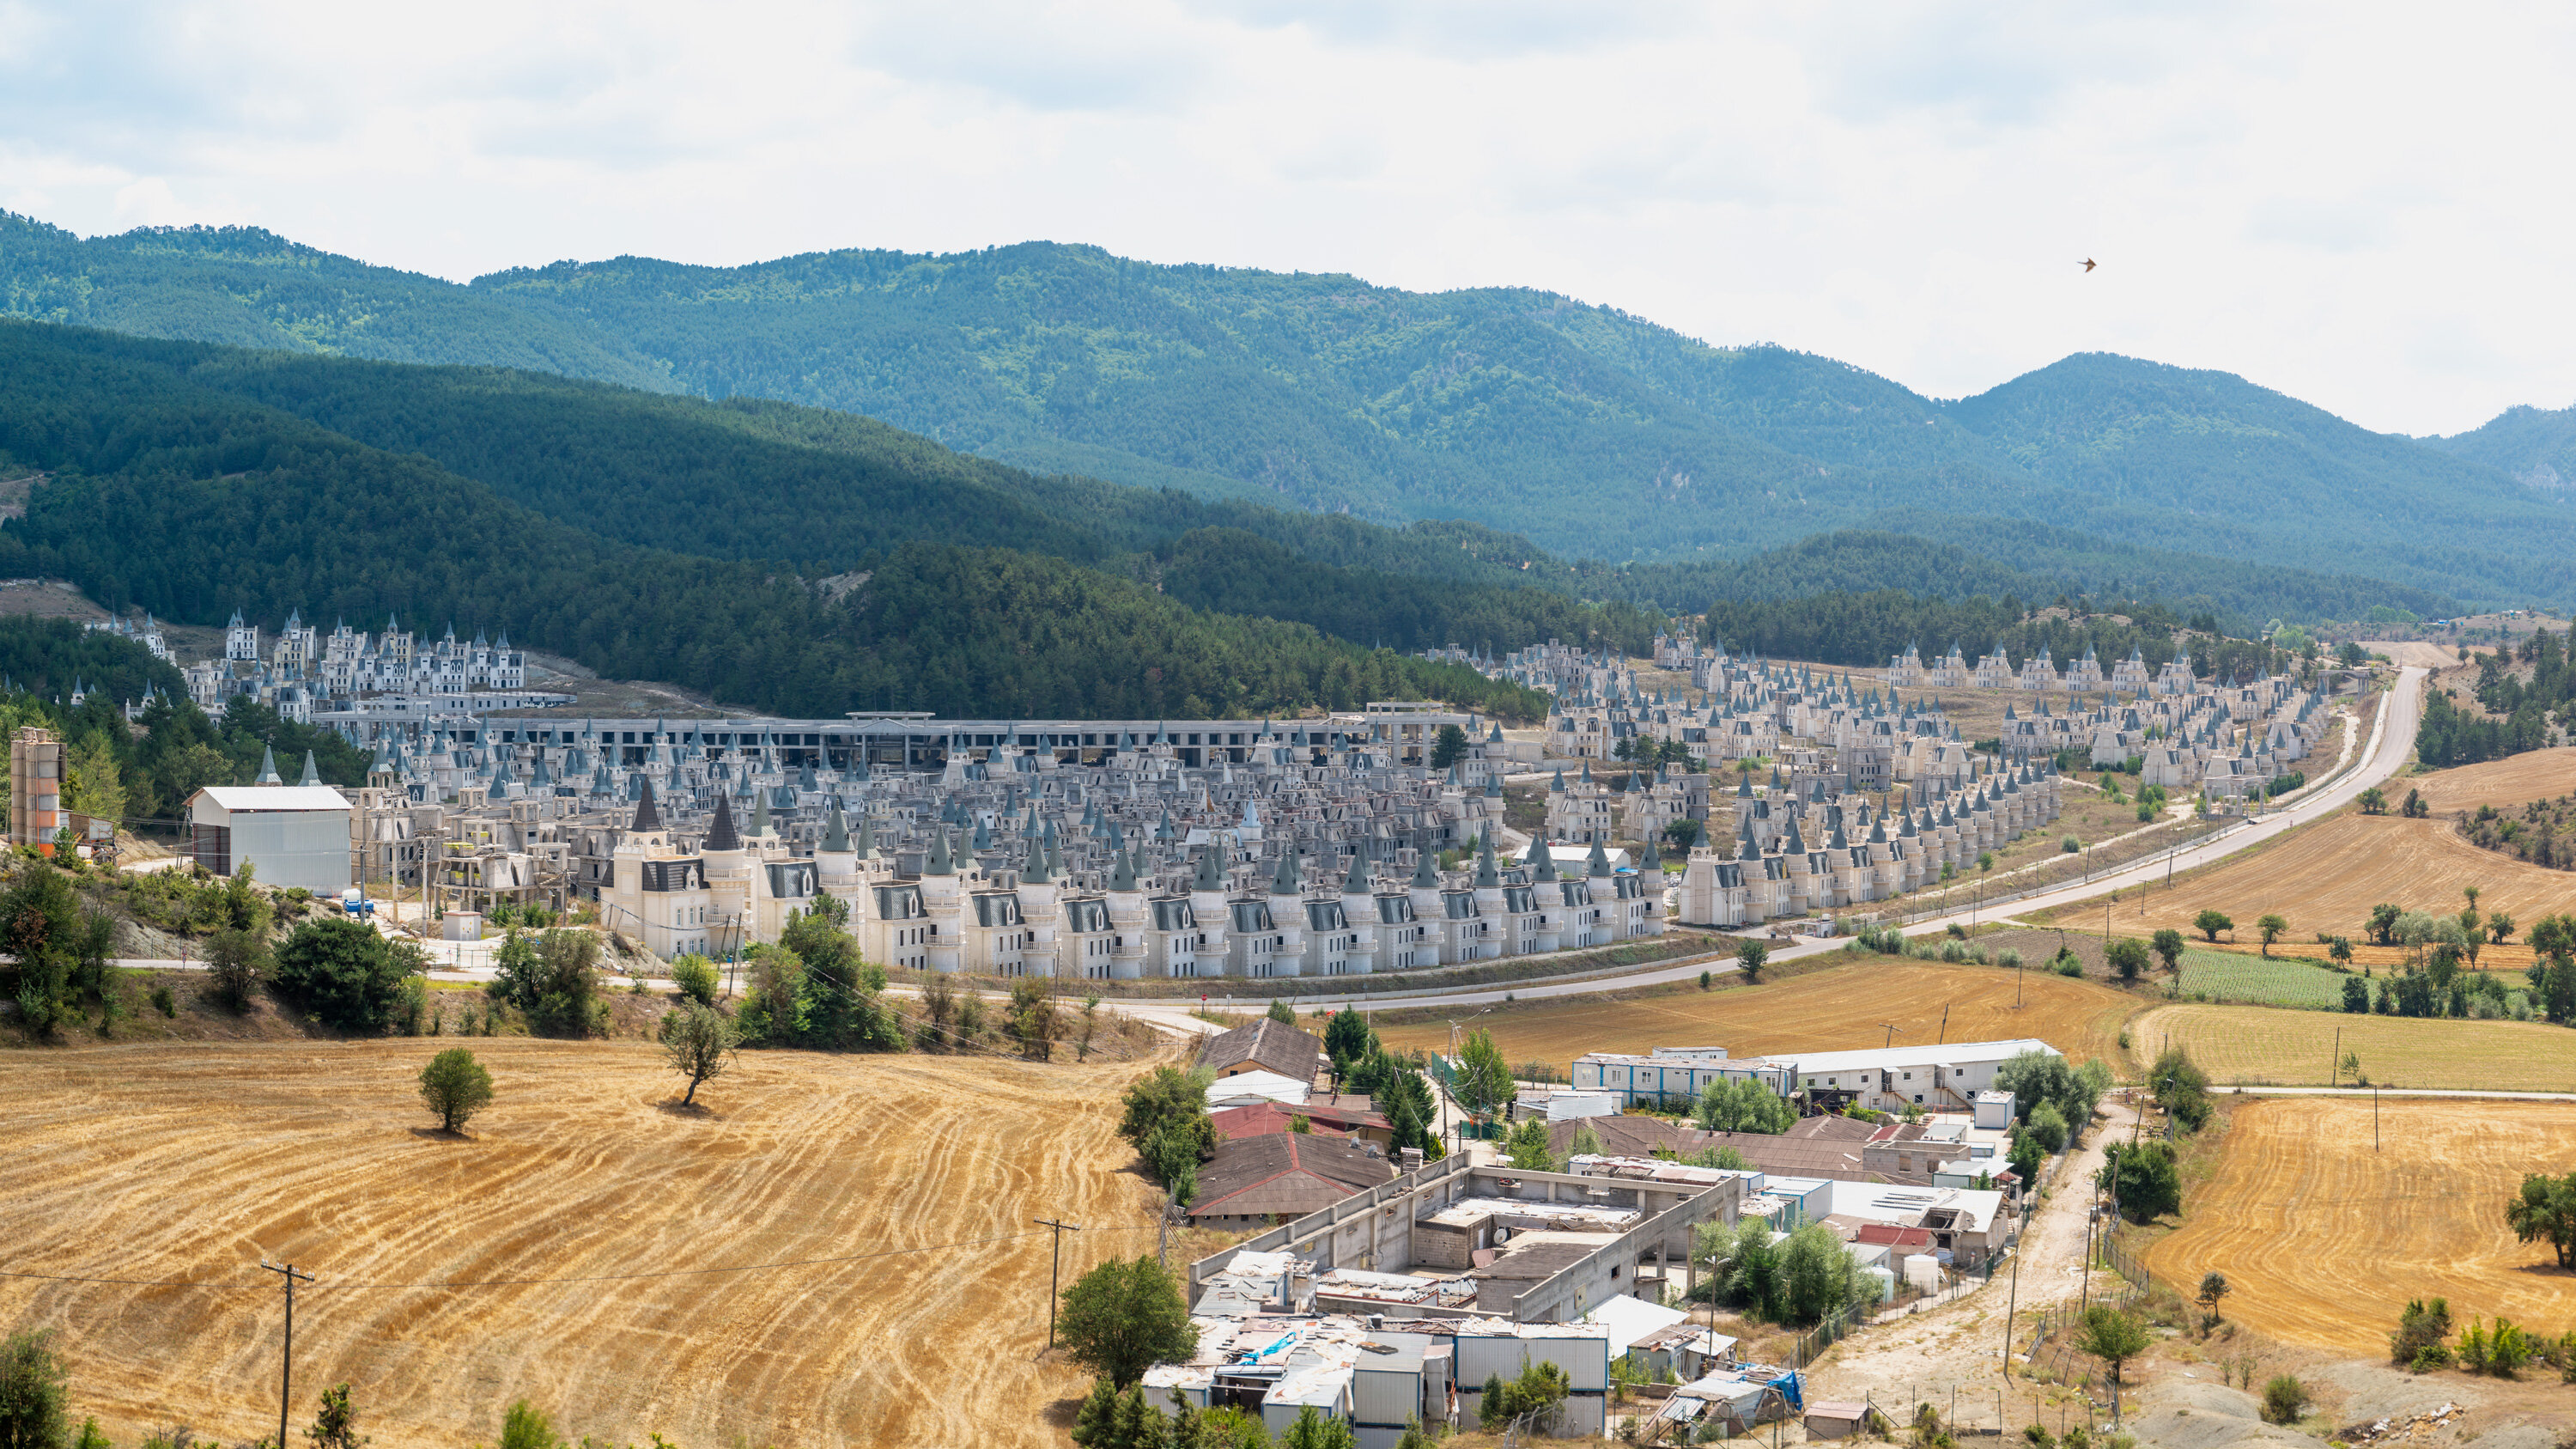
(1515, 409)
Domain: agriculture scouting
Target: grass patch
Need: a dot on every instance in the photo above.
(2226, 976)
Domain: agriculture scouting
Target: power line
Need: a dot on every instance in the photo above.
(582, 1278)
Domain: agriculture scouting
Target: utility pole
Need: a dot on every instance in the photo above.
(2012, 1299)
(2334, 1068)
(1055, 1273)
(286, 1360)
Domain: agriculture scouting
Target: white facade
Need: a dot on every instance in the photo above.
(291, 835)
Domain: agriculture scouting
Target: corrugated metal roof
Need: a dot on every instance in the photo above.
(239, 798)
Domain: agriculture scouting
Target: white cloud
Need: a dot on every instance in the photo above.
(2353, 204)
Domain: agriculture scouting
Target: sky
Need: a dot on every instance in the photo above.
(2360, 205)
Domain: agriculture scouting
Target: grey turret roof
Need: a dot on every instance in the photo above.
(1425, 871)
(267, 768)
(646, 817)
(836, 831)
(311, 775)
(941, 862)
(721, 835)
(1597, 865)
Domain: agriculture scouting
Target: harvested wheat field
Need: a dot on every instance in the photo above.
(2323, 1240)
(2327, 877)
(2279, 1046)
(190, 1163)
(2509, 783)
(1839, 1009)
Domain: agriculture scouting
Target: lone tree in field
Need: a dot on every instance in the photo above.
(2271, 926)
(2213, 1287)
(2128, 957)
(455, 1086)
(1752, 955)
(1123, 1318)
(2169, 945)
(2546, 1208)
(2210, 922)
(698, 1042)
(2112, 1335)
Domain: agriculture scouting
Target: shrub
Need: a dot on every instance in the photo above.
(2010, 959)
(342, 972)
(2070, 846)
(553, 980)
(2420, 1328)
(163, 1002)
(695, 976)
(235, 963)
(2284, 1399)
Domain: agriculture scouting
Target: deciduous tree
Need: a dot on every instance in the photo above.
(456, 1087)
(1122, 1318)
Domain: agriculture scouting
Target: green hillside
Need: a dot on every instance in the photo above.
(2537, 446)
(1498, 411)
(191, 501)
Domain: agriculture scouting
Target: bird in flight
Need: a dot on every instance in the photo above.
(2088, 264)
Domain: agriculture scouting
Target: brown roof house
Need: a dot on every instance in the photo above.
(1264, 1046)
(1254, 1180)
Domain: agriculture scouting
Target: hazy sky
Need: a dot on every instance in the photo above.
(2364, 206)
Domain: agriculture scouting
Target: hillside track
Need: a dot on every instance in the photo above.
(1840, 1009)
(192, 1162)
(2323, 1240)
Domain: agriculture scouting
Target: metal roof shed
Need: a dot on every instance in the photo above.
(291, 835)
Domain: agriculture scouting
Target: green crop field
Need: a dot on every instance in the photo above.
(2224, 976)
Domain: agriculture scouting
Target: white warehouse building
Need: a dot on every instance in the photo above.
(1946, 1077)
(290, 835)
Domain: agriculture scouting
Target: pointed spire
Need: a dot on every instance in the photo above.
(940, 862)
(1035, 872)
(1207, 879)
(1425, 870)
(1284, 881)
(721, 835)
(836, 831)
(760, 817)
(1597, 865)
(311, 776)
(267, 768)
(1124, 877)
(646, 817)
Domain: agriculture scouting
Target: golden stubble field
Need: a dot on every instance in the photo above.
(1838, 1009)
(2323, 1240)
(192, 1162)
(2272, 1045)
(2513, 781)
(2327, 876)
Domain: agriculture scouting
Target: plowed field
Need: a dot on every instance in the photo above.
(2276, 1046)
(1836, 1010)
(190, 1163)
(2323, 1240)
(2327, 877)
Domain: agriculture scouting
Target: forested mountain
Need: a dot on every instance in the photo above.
(1519, 411)
(2536, 445)
(189, 500)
